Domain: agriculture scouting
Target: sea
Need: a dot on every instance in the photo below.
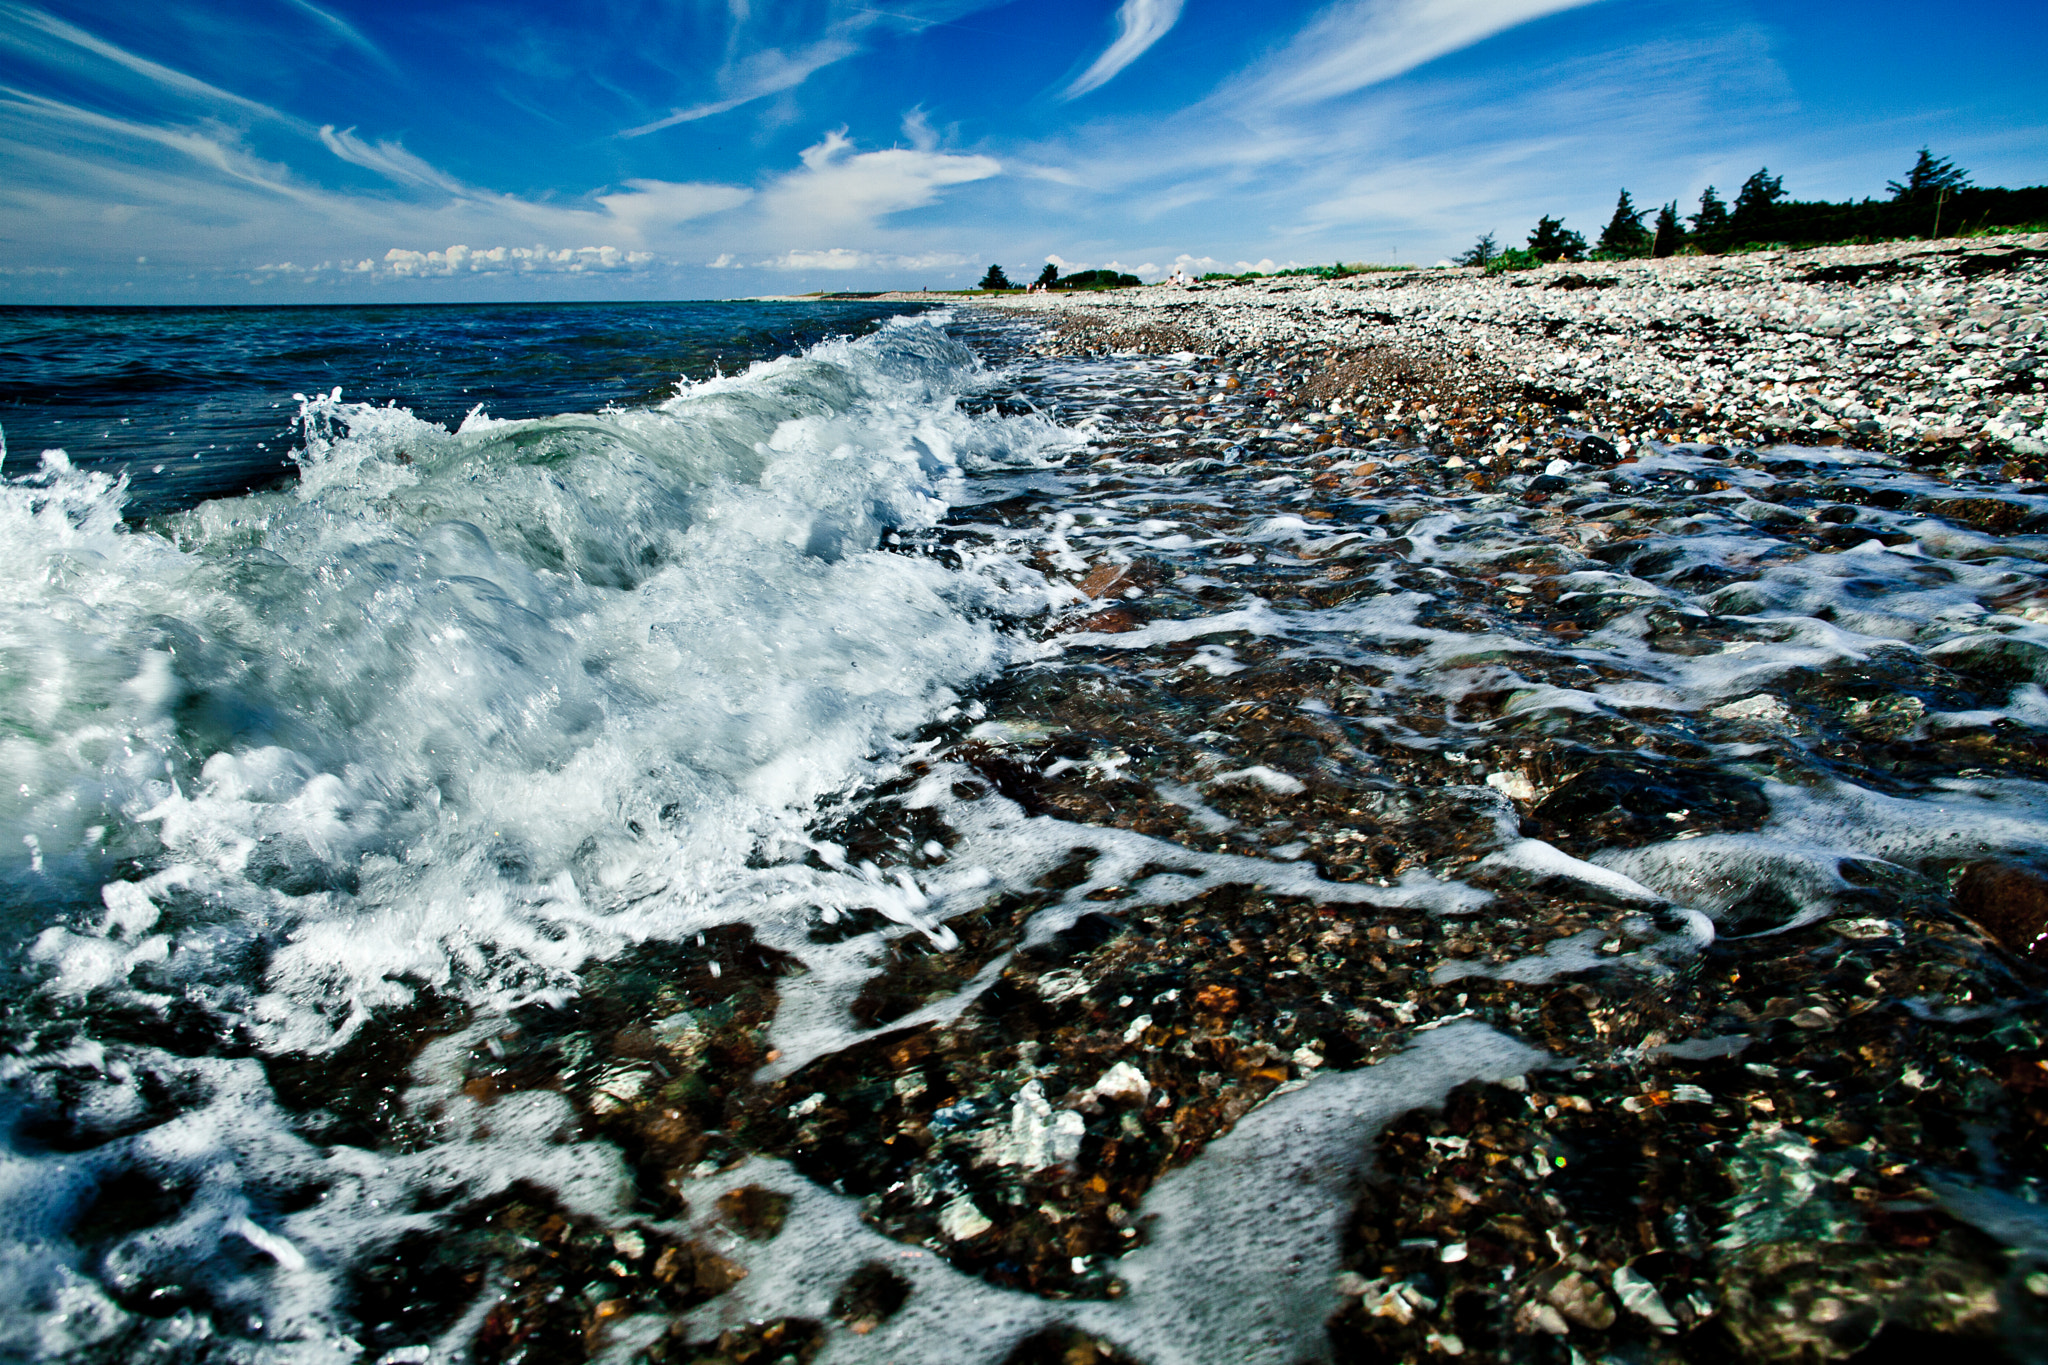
(366, 670)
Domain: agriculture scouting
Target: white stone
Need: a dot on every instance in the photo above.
(1761, 707)
(961, 1221)
(1038, 1136)
(1640, 1297)
(1124, 1082)
(1516, 786)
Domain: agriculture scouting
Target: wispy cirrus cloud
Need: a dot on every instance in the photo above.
(390, 160)
(1359, 43)
(58, 43)
(754, 70)
(344, 30)
(215, 151)
(1140, 23)
(767, 72)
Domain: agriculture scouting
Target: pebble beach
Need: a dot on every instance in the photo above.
(1521, 839)
(1603, 706)
(1924, 350)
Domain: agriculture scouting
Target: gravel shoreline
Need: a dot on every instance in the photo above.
(1928, 351)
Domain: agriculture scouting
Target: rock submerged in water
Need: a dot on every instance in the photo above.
(2010, 902)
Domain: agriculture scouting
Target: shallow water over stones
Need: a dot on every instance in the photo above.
(1577, 908)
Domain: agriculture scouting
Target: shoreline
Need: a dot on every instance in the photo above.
(1924, 350)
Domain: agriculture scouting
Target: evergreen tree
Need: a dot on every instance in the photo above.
(1667, 236)
(1624, 235)
(1483, 252)
(1931, 175)
(1753, 203)
(1048, 276)
(995, 279)
(1553, 241)
(1711, 222)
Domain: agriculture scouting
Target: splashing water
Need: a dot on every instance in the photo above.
(457, 715)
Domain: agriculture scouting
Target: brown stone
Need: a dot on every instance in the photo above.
(1112, 580)
(754, 1211)
(714, 1274)
(1993, 516)
(1114, 621)
(1581, 1299)
(2010, 903)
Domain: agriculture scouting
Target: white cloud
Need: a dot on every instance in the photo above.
(656, 204)
(1068, 267)
(346, 31)
(843, 190)
(846, 258)
(764, 71)
(401, 263)
(1362, 42)
(768, 72)
(390, 160)
(1058, 175)
(461, 260)
(919, 130)
(1140, 23)
(1209, 265)
(155, 72)
(216, 152)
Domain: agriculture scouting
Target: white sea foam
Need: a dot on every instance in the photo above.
(1242, 1244)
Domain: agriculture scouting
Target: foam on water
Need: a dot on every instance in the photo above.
(460, 713)
(1241, 1256)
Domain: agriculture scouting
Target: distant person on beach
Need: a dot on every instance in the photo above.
(1178, 277)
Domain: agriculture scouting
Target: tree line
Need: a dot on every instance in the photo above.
(1050, 278)
(1936, 197)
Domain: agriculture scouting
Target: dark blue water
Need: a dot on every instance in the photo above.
(196, 403)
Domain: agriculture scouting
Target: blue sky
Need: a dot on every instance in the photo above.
(324, 150)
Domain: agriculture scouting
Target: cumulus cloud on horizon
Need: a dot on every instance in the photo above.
(405, 263)
(567, 260)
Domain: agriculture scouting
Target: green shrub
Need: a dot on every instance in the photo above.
(1098, 279)
(1514, 258)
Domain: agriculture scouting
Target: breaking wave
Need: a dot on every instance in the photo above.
(460, 713)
